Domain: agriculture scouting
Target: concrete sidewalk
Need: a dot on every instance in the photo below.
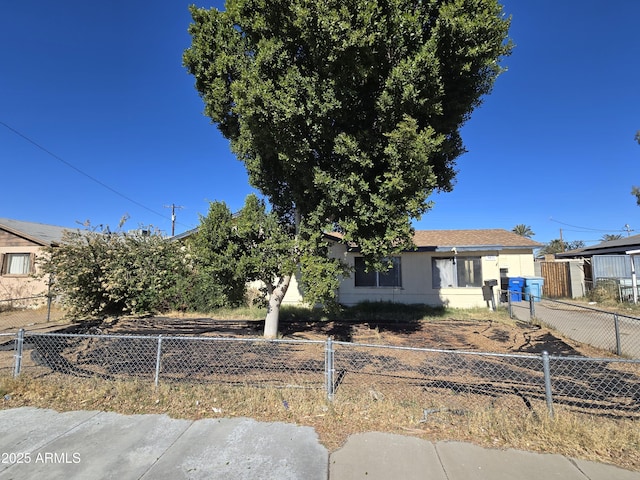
(37, 443)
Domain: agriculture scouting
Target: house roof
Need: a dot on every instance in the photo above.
(36, 232)
(484, 239)
(186, 234)
(611, 247)
(472, 238)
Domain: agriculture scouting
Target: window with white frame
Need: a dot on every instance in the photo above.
(390, 278)
(16, 264)
(454, 272)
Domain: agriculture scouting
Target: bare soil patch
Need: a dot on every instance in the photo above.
(448, 334)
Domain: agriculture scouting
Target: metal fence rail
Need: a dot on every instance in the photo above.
(614, 332)
(437, 379)
(27, 312)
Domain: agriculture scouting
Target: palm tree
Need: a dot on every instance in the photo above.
(523, 230)
(607, 237)
(558, 246)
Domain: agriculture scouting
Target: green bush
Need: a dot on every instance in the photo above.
(101, 274)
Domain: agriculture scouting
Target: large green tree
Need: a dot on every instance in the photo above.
(255, 245)
(215, 260)
(347, 113)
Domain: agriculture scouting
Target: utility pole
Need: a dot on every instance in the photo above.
(628, 229)
(561, 241)
(173, 216)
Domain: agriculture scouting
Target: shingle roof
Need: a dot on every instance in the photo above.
(471, 238)
(37, 232)
(612, 247)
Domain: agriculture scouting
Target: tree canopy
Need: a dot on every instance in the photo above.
(347, 114)
(558, 246)
(607, 237)
(523, 230)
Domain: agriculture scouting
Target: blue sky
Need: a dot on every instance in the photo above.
(100, 86)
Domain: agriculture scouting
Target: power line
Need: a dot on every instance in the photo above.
(102, 184)
(582, 229)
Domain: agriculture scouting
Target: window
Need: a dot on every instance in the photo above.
(456, 272)
(16, 264)
(390, 278)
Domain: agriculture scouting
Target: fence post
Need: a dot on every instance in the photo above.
(547, 382)
(532, 308)
(18, 354)
(49, 298)
(616, 323)
(329, 368)
(510, 305)
(158, 356)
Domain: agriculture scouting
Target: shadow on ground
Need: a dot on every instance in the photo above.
(340, 324)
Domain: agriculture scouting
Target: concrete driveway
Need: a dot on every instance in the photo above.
(584, 325)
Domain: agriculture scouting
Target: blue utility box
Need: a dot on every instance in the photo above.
(516, 284)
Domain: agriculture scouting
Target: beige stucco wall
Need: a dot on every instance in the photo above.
(417, 279)
(519, 262)
(293, 295)
(21, 286)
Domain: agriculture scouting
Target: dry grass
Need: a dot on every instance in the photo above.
(601, 439)
(244, 313)
(370, 311)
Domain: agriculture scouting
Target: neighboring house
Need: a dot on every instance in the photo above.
(448, 267)
(607, 264)
(20, 245)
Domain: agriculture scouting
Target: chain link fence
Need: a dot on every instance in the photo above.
(235, 361)
(7, 353)
(461, 381)
(610, 331)
(437, 379)
(28, 312)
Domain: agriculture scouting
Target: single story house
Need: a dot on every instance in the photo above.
(447, 267)
(20, 244)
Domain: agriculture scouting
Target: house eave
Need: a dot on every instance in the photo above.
(24, 235)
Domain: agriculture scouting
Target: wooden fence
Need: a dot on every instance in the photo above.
(557, 279)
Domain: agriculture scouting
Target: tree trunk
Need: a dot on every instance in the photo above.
(276, 295)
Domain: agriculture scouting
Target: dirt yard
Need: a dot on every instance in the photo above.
(468, 335)
(498, 402)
